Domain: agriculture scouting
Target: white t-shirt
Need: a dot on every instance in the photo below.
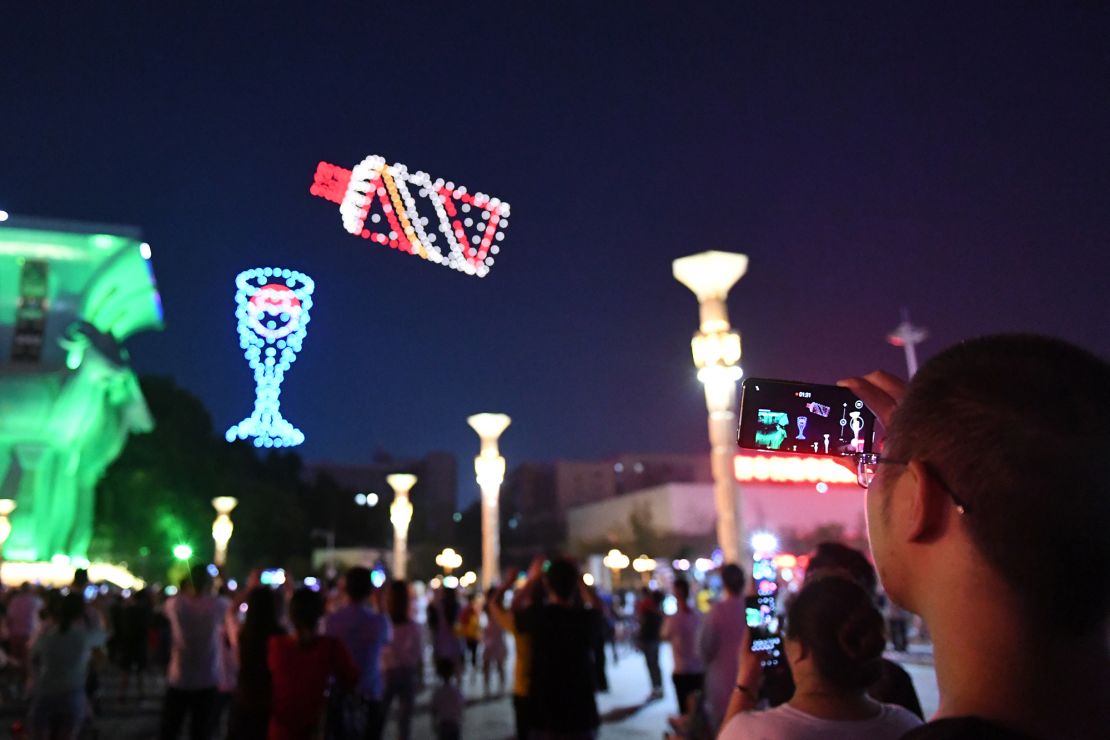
(196, 630)
(787, 723)
(681, 630)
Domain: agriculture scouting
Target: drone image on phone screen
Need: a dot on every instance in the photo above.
(803, 418)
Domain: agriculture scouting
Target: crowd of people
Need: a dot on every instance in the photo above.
(993, 466)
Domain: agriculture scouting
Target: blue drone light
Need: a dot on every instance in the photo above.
(273, 313)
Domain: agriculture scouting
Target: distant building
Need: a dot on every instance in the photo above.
(791, 496)
(584, 482)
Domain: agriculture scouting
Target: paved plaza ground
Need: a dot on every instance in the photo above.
(626, 712)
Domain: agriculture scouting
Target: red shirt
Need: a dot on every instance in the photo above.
(301, 675)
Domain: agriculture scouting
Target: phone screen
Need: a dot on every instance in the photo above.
(803, 418)
(761, 613)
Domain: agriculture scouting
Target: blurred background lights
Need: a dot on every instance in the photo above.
(764, 542)
(360, 499)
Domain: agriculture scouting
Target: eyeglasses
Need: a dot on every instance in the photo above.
(868, 465)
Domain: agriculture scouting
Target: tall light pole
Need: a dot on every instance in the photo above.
(7, 506)
(908, 336)
(716, 350)
(489, 470)
(400, 514)
(222, 527)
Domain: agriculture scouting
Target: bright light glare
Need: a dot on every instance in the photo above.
(3, 215)
(182, 552)
(588, 579)
(704, 565)
(360, 499)
(144, 251)
(450, 582)
(371, 499)
(765, 542)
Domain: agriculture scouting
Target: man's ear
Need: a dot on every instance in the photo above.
(926, 504)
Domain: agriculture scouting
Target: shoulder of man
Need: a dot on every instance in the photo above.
(964, 728)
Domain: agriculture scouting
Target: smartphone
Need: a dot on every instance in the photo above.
(803, 418)
(761, 613)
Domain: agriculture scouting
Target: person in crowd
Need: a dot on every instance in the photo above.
(250, 704)
(302, 667)
(525, 596)
(563, 632)
(59, 656)
(196, 622)
(650, 617)
(470, 629)
(894, 685)
(995, 465)
(447, 703)
(834, 643)
(132, 640)
(681, 630)
(443, 619)
(601, 677)
(22, 621)
(364, 632)
(720, 637)
(402, 658)
(494, 650)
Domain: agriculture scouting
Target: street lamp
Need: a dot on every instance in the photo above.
(644, 566)
(400, 514)
(489, 469)
(448, 559)
(222, 526)
(615, 561)
(7, 506)
(908, 336)
(716, 350)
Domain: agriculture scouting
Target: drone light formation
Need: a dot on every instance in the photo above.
(452, 227)
(272, 308)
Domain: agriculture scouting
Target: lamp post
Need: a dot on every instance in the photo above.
(222, 527)
(908, 336)
(645, 566)
(615, 561)
(716, 350)
(489, 470)
(400, 514)
(7, 506)
(448, 559)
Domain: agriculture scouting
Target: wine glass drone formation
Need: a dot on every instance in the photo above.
(470, 226)
(272, 306)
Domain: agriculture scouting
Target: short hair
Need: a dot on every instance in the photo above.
(305, 608)
(734, 579)
(357, 583)
(200, 578)
(681, 588)
(562, 577)
(837, 620)
(1013, 425)
(849, 560)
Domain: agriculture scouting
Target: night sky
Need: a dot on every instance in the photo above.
(951, 159)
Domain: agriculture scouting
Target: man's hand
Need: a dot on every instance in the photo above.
(750, 671)
(535, 570)
(881, 391)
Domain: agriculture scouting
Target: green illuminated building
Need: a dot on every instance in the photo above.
(70, 295)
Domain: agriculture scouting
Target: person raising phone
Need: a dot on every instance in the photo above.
(834, 644)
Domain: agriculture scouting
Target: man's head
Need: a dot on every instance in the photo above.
(562, 579)
(1007, 455)
(358, 584)
(199, 579)
(733, 578)
(681, 589)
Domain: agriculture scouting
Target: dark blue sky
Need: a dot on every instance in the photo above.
(951, 159)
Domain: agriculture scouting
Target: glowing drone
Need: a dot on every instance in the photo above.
(470, 226)
(272, 307)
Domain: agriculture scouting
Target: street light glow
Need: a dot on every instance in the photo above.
(764, 542)
(182, 552)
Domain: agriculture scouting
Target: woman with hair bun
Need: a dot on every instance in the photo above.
(834, 644)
